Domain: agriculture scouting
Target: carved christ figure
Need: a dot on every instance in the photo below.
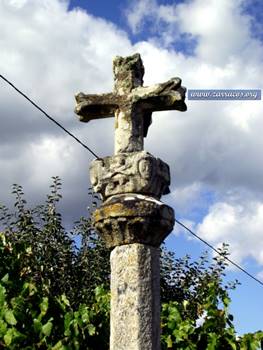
(131, 103)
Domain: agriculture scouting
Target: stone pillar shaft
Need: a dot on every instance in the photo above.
(135, 298)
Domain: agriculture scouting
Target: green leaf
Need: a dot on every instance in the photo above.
(65, 300)
(169, 342)
(29, 289)
(185, 304)
(2, 295)
(59, 346)
(84, 315)
(8, 337)
(67, 323)
(75, 327)
(226, 301)
(212, 341)
(44, 306)
(91, 329)
(47, 328)
(232, 344)
(5, 278)
(3, 328)
(10, 318)
(37, 325)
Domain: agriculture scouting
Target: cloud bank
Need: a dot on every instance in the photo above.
(213, 149)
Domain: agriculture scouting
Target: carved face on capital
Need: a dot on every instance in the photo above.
(128, 72)
(146, 169)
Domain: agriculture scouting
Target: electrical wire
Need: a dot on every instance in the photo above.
(48, 116)
(86, 147)
(218, 252)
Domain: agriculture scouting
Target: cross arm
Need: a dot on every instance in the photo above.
(160, 97)
(93, 106)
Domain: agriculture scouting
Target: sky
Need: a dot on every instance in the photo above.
(52, 49)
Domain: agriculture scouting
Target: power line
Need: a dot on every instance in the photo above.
(218, 252)
(48, 116)
(86, 147)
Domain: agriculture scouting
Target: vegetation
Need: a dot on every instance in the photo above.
(55, 295)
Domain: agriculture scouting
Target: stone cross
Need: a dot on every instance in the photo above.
(132, 220)
(131, 103)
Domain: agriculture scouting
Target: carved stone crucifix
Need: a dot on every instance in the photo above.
(132, 220)
(131, 103)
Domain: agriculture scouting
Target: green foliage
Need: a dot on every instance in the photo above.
(186, 280)
(49, 289)
(214, 330)
(52, 257)
(32, 318)
(54, 295)
(195, 305)
(92, 262)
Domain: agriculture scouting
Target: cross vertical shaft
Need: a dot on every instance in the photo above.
(128, 132)
(132, 220)
(128, 74)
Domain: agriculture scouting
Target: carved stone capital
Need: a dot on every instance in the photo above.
(133, 218)
(137, 172)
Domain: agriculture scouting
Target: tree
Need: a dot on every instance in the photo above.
(55, 295)
(54, 258)
(185, 280)
(214, 330)
(31, 317)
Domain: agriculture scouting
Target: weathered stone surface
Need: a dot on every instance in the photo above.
(133, 218)
(131, 103)
(137, 172)
(128, 73)
(135, 298)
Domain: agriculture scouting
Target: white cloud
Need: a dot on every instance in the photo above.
(221, 28)
(240, 225)
(159, 20)
(138, 12)
(51, 53)
(186, 199)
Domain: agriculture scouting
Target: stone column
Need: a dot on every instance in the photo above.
(135, 297)
(133, 221)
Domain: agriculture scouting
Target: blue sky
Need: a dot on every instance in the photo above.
(52, 49)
